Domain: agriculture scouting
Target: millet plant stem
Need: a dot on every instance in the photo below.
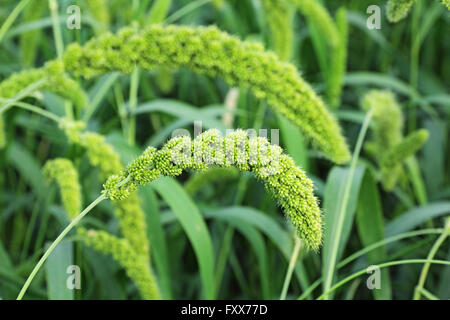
(290, 270)
(426, 266)
(341, 214)
(12, 17)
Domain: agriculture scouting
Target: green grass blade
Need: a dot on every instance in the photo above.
(417, 216)
(340, 211)
(295, 144)
(369, 221)
(333, 198)
(195, 227)
(28, 167)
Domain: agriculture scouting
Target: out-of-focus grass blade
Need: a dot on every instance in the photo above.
(42, 24)
(155, 234)
(195, 227)
(294, 142)
(12, 17)
(369, 221)
(386, 81)
(56, 267)
(351, 116)
(359, 20)
(415, 176)
(258, 245)
(158, 11)
(28, 167)
(98, 93)
(434, 152)
(444, 288)
(320, 48)
(442, 99)
(257, 219)
(378, 79)
(334, 190)
(417, 216)
(6, 271)
(173, 107)
(104, 267)
(5, 261)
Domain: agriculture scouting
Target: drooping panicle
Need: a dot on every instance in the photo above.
(206, 50)
(288, 183)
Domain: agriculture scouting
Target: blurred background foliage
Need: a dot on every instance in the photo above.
(252, 244)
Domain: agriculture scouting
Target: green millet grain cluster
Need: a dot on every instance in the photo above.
(288, 183)
(66, 176)
(388, 146)
(56, 81)
(206, 50)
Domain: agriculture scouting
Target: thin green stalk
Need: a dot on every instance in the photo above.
(427, 294)
(290, 270)
(8, 103)
(121, 108)
(53, 4)
(383, 265)
(417, 181)
(368, 249)
(385, 242)
(242, 186)
(37, 110)
(134, 85)
(341, 215)
(223, 256)
(185, 10)
(426, 266)
(12, 17)
(72, 224)
(59, 43)
(29, 232)
(100, 94)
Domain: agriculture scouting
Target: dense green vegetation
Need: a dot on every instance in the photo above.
(361, 174)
